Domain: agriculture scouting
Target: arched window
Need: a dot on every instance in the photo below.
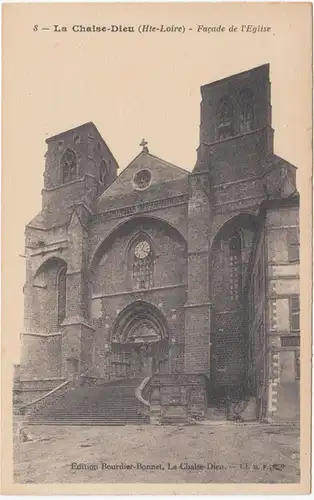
(68, 166)
(143, 265)
(103, 171)
(61, 284)
(246, 119)
(224, 118)
(235, 266)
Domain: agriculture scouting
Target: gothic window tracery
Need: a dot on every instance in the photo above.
(235, 266)
(224, 118)
(246, 118)
(143, 265)
(68, 166)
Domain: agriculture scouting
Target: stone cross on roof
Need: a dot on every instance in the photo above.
(144, 145)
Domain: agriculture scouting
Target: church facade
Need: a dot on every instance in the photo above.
(163, 270)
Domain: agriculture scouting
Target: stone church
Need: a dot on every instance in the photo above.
(188, 280)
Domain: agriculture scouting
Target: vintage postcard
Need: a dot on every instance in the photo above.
(157, 229)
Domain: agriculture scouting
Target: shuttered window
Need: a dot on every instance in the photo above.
(294, 314)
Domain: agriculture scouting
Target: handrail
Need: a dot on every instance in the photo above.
(60, 386)
(139, 390)
(45, 395)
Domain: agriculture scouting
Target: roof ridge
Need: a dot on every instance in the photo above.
(168, 162)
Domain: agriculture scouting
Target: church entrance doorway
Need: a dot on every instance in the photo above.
(148, 365)
(140, 347)
(143, 361)
(138, 360)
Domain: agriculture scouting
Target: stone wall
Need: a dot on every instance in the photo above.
(229, 332)
(257, 320)
(41, 356)
(176, 398)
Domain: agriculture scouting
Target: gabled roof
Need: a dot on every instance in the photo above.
(161, 174)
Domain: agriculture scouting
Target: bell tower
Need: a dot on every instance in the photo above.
(236, 134)
(236, 105)
(79, 167)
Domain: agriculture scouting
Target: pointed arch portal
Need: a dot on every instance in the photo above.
(139, 342)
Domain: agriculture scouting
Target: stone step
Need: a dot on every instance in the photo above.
(87, 420)
(131, 412)
(89, 423)
(108, 406)
(113, 404)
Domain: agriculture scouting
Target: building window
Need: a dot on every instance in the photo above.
(294, 314)
(143, 266)
(293, 244)
(61, 295)
(235, 266)
(246, 118)
(290, 341)
(68, 166)
(224, 118)
(297, 364)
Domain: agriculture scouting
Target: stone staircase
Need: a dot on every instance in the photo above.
(114, 403)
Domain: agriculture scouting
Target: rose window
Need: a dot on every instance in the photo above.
(142, 179)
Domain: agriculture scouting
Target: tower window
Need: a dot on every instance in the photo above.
(235, 266)
(68, 166)
(246, 111)
(143, 266)
(103, 171)
(224, 118)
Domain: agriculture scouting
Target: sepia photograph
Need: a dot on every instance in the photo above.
(158, 292)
